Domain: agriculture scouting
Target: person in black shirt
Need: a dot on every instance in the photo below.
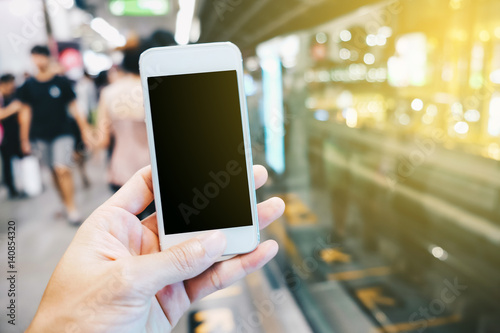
(10, 146)
(46, 124)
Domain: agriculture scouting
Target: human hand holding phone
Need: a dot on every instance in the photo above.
(114, 278)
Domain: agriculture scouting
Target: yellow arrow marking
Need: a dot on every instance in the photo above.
(370, 297)
(404, 327)
(296, 211)
(359, 274)
(215, 320)
(334, 255)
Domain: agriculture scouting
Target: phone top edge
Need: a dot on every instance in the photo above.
(187, 59)
(189, 47)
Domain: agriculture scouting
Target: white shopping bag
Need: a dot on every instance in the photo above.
(17, 173)
(27, 175)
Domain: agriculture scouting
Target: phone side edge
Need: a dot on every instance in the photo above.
(152, 153)
(247, 143)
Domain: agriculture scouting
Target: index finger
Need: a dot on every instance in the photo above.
(136, 194)
(259, 175)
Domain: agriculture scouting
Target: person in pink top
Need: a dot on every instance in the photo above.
(120, 114)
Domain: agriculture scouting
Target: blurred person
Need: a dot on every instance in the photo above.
(114, 278)
(57, 68)
(161, 37)
(10, 144)
(80, 152)
(120, 115)
(114, 74)
(45, 125)
(101, 81)
(86, 96)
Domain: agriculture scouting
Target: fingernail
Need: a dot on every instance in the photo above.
(214, 243)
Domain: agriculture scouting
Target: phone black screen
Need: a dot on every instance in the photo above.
(200, 156)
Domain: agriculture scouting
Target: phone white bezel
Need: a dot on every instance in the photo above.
(189, 59)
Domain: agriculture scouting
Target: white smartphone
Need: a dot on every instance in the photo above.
(199, 141)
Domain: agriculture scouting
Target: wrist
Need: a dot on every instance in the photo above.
(44, 322)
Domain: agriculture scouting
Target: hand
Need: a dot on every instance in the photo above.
(114, 278)
(96, 138)
(26, 147)
(87, 138)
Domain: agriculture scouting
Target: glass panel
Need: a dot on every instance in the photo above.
(392, 179)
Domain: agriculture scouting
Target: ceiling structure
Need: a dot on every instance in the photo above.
(249, 22)
(243, 22)
(141, 25)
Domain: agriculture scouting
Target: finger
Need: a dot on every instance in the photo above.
(174, 301)
(259, 175)
(151, 222)
(154, 271)
(149, 239)
(136, 194)
(270, 210)
(225, 273)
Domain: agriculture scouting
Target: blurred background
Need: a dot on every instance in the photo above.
(379, 122)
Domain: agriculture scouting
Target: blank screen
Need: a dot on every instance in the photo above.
(198, 139)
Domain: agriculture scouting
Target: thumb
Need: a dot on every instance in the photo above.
(152, 272)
